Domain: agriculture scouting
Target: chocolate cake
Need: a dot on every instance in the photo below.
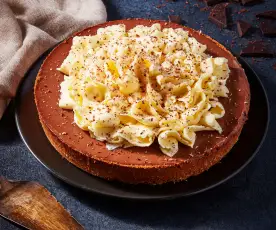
(139, 165)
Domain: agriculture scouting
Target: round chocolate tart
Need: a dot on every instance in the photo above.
(139, 165)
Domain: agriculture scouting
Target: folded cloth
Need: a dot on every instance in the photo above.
(30, 27)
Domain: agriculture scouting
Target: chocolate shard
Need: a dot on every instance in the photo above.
(243, 27)
(267, 14)
(175, 19)
(219, 16)
(257, 49)
(268, 28)
(250, 2)
(213, 2)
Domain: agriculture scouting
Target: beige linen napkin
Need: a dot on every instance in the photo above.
(30, 27)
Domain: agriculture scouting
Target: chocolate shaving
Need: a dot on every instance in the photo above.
(257, 49)
(250, 2)
(218, 15)
(175, 19)
(268, 28)
(243, 27)
(213, 2)
(267, 14)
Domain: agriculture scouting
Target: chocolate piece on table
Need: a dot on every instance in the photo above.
(175, 19)
(218, 15)
(213, 2)
(268, 28)
(250, 2)
(243, 27)
(256, 49)
(267, 14)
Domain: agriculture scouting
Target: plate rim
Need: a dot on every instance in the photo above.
(241, 60)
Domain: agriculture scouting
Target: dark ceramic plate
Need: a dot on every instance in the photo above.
(242, 153)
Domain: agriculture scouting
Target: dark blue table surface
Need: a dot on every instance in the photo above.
(248, 201)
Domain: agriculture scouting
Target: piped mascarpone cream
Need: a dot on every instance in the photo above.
(129, 88)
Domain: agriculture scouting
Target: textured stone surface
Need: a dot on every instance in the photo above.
(247, 201)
